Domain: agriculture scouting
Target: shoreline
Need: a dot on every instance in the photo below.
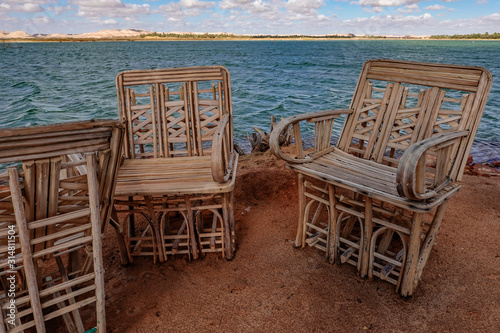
(7, 41)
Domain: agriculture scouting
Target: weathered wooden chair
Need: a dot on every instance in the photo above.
(180, 165)
(51, 223)
(378, 197)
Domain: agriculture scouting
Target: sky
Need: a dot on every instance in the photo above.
(307, 17)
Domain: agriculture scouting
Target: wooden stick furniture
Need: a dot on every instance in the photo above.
(377, 198)
(51, 223)
(180, 166)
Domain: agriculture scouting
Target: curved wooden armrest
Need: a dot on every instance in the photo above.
(223, 156)
(294, 120)
(410, 177)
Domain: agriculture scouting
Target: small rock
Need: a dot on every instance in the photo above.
(484, 170)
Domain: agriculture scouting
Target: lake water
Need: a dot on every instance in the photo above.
(42, 83)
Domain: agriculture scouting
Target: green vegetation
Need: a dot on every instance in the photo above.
(301, 36)
(186, 36)
(232, 36)
(486, 35)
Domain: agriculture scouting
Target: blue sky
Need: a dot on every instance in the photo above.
(372, 17)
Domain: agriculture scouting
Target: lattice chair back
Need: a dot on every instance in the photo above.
(398, 161)
(173, 112)
(397, 104)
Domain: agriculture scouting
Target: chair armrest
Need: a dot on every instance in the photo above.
(410, 176)
(223, 154)
(294, 121)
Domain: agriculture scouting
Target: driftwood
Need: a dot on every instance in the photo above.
(259, 141)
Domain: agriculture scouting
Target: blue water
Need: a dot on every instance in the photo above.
(43, 83)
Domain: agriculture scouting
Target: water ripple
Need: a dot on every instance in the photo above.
(54, 82)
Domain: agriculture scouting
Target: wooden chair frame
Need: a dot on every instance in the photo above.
(58, 214)
(402, 116)
(179, 159)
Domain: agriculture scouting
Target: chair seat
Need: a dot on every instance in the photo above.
(169, 176)
(367, 177)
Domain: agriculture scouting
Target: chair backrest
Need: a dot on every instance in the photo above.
(398, 103)
(49, 184)
(173, 112)
(56, 215)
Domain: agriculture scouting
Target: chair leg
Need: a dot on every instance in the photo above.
(331, 249)
(302, 206)
(155, 226)
(429, 241)
(121, 240)
(367, 237)
(192, 232)
(227, 225)
(96, 242)
(232, 222)
(408, 282)
(131, 221)
(29, 267)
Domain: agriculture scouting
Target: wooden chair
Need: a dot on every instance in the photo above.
(383, 189)
(180, 165)
(51, 223)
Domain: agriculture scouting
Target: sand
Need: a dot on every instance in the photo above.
(270, 286)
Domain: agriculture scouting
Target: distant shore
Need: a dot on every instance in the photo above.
(134, 35)
(74, 40)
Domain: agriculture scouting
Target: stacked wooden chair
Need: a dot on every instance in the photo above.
(52, 219)
(176, 183)
(376, 199)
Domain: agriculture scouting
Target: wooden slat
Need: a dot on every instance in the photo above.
(425, 80)
(363, 177)
(434, 68)
(131, 78)
(63, 129)
(26, 250)
(57, 151)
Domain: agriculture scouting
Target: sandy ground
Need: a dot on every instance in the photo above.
(270, 286)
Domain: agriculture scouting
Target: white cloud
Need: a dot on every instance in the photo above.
(389, 24)
(303, 9)
(435, 7)
(301, 4)
(251, 6)
(42, 20)
(177, 11)
(408, 9)
(98, 3)
(197, 4)
(385, 3)
(373, 9)
(232, 4)
(109, 8)
(58, 10)
(33, 2)
(22, 8)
